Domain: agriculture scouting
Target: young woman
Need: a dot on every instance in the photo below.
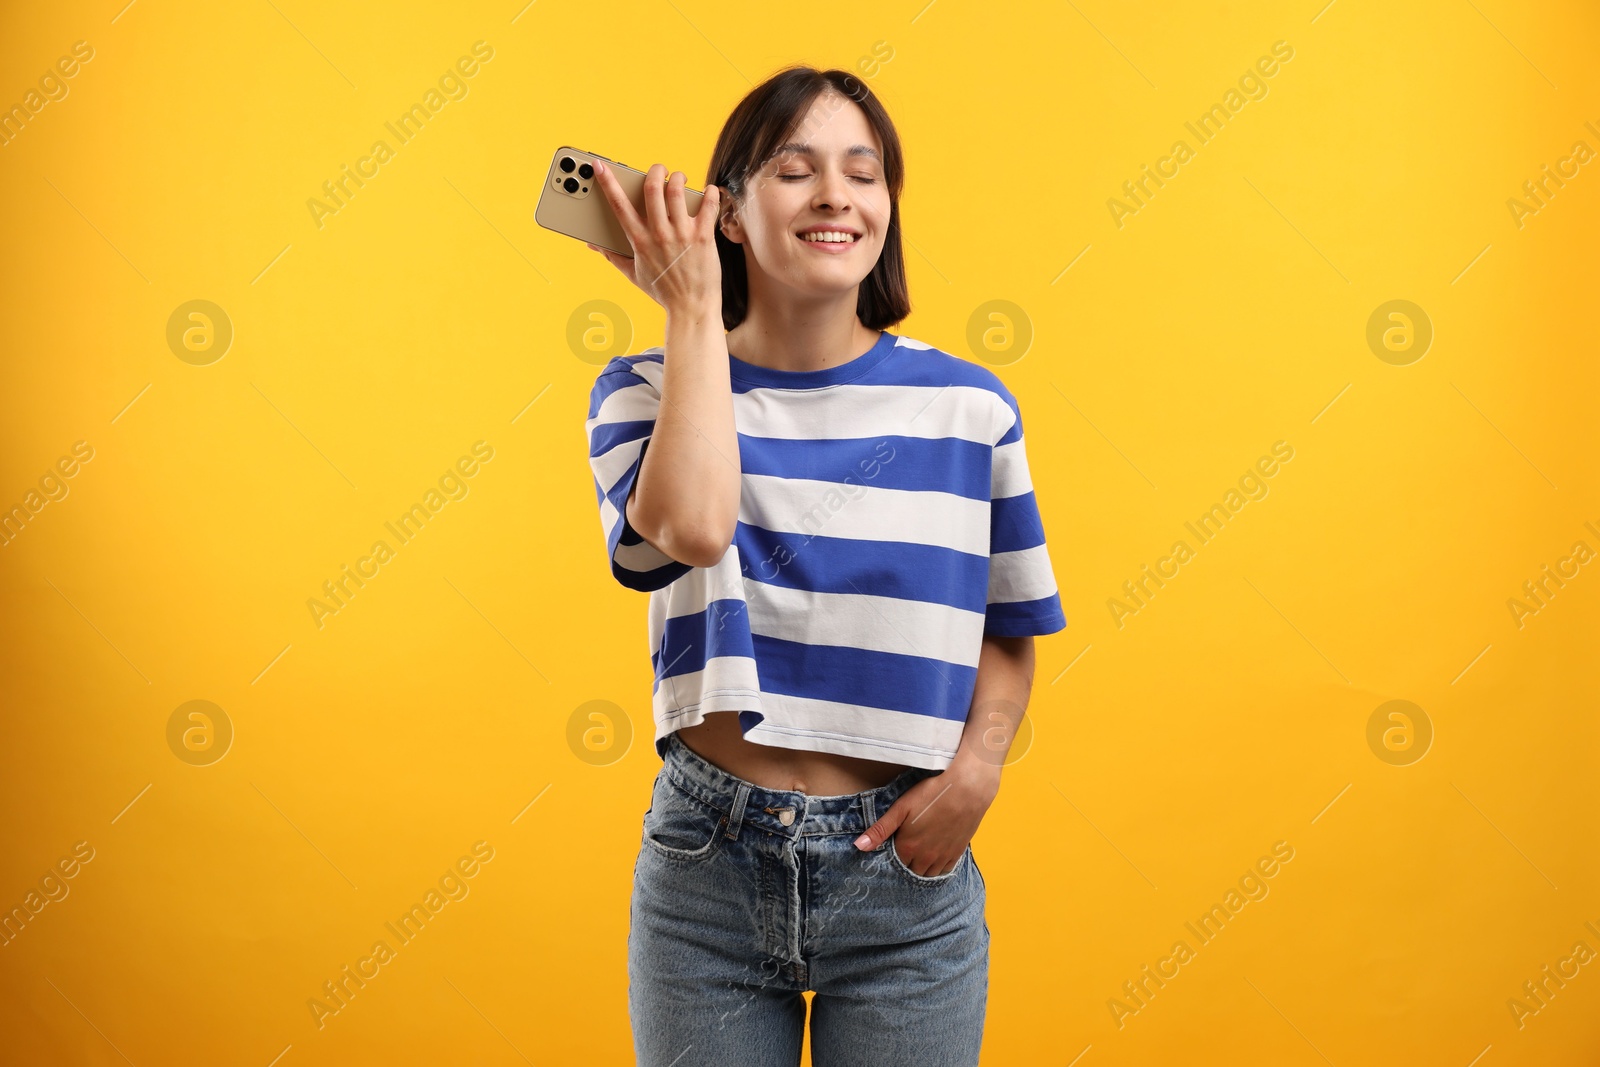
(846, 564)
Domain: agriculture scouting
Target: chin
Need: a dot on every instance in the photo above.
(828, 286)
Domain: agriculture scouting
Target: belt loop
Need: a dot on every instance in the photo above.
(736, 816)
(869, 810)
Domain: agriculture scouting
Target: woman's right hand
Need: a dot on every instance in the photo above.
(674, 253)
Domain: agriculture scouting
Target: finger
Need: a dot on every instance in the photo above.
(612, 256)
(677, 212)
(621, 207)
(916, 864)
(710, 208)
(879, 832)
(622, 263)
(655, 207)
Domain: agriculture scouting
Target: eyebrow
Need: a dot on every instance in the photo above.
(806, 150)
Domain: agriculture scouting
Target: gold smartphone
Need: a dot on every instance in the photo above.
(573, 203)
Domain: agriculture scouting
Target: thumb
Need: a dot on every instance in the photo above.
(879, 832)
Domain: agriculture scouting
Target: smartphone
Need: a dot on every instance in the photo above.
(572, 202)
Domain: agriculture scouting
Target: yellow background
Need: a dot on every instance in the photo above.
(432, 710)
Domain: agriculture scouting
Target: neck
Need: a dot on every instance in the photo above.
(795, 336)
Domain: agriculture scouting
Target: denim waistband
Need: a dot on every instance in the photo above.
(748, 804)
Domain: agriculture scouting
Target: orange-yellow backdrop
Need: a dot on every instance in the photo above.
(1441, 858)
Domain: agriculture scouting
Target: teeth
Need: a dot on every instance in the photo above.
(828, 235)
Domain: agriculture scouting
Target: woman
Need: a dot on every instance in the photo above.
(847, 567)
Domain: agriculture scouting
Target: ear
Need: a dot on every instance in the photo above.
(730, 225)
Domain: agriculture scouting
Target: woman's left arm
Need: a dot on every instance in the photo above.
(959, 797)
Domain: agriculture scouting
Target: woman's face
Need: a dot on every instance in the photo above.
(828, 178)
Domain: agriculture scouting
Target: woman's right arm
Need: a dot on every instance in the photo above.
(685, 500)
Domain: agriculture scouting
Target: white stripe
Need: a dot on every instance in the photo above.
(874, 623)
(690, 594)
(857, 730)
(865, 513)
(1011, 476)
(733, 686)
(812, 725)
(1021, 575)
(633, 403)
(608, 517)
(849, 412)
(611, 466)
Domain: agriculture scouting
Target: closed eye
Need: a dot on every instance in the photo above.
(799, 177)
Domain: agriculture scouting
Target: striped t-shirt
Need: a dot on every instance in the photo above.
(887, 522)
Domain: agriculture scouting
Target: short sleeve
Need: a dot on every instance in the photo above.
(1023, 599)
(622, 415)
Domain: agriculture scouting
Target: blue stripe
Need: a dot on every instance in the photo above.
(623, 533)
(1024, 618)
(1014, 523)
(651, 580)
(609, 435)
(618, 493)
(822, 564)
(917, 367)
(687, 641)
(942, 464)
(915, 684)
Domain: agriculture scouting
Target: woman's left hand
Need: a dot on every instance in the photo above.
(933, 821)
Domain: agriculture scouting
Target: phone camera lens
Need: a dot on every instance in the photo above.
(586, 172)
(567, 164)
(570, 185)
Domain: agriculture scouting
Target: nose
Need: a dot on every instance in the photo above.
(832, 190)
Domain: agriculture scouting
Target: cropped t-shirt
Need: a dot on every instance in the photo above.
(887, 523)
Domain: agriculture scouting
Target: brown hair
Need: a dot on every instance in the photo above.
(761, 122)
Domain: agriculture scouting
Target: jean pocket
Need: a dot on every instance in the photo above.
(680, 826)
(922, 879)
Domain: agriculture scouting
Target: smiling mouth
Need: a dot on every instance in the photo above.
(837, 237)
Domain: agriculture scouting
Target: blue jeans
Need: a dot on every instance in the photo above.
(744, 897)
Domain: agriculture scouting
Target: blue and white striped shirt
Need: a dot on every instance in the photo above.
(887, 522)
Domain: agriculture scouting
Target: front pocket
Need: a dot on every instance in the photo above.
(680, 826)
(939, 879)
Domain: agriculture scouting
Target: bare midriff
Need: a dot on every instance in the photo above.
(721, 742)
